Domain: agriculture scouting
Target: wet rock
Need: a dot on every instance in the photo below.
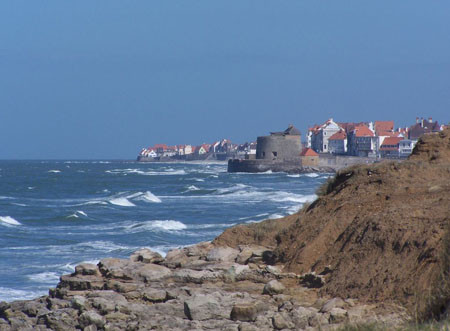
(91, 318)
(245, 312)
(145, 255)
(204, 307)
(222, 254)
(273, 287)
(87, 269)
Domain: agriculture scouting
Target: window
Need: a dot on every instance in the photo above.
(264, 154)
(274, 154)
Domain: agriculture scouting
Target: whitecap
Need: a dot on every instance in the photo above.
(54, 171)
(18, 204)
(10, 294)
(149, 196)
(45, 277)
(193, 188)
(82, 213)
(294, 176)
(312, 175)
(199, 179)
(158, 225)
(299, 198)
(274, 216)
(31, 187)
(124, 202)
(9, 220)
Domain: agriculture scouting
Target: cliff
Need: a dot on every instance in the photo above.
(375, 233)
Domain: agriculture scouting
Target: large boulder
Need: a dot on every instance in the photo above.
(222, 254)
(146, 255)
(204, 307)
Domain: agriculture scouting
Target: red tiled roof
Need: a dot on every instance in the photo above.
(389, 141)
(163, 146)
(363, 131)
(308, 152)
(340, 135)
(382, 126)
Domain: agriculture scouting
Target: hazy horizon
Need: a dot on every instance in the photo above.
(100, 80)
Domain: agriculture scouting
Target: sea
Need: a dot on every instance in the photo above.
(57, 214)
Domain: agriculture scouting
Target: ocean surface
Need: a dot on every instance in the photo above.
(57, 214)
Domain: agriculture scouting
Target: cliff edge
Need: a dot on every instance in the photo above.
(376, 233)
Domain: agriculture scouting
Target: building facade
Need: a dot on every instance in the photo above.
(285, 145)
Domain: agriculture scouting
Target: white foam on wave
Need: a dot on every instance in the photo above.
(312, 175)
(48, 277)
(124, 202)
(146, 173)
(199, 179)
(31, 187)
(9, 220)
(18, 204)
(294, 176)
(77, 214)
(298, 198)
(193, 188)
(10, 294)
(54, 171)
(149, 196)
(158, 225)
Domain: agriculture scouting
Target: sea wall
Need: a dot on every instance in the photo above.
(289, 166)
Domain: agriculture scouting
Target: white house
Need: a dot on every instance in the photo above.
(318, 136)
(405, 147)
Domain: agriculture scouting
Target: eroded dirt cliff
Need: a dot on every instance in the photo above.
(375, 233)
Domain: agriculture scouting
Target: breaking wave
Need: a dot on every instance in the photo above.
(9, 220)
(124, 202)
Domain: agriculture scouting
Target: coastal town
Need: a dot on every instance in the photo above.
(378, 139)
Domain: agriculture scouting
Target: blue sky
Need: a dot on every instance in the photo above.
(101, 79)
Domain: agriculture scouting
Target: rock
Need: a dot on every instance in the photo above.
(338, 315)
(81, 283)
(87, 269)
(281, 321)
(194, 276)
(35, 308)
(91, 318)
(247, 252)
(114, 268)
(248, 327)
(175, 258)
(273, 287)
(121, 287)
(54, 304)
(91, 327)
(330, 304)
(61, 319)
(245, 312)
(154, 295)
(301, 316)
(152, 272)
(222, 254)
(80, 303)
(203, 307)
(311, 280)
(145, 255)
(200, 250)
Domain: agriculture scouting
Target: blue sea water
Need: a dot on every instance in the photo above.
(56, 214)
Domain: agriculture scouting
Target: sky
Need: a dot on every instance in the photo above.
(101, 79)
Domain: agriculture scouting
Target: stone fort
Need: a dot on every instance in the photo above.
(284, 145)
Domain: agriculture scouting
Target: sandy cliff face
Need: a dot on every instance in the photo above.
(377, 231)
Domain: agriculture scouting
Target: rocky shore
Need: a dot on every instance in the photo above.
(374, 247)
(201, 287)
